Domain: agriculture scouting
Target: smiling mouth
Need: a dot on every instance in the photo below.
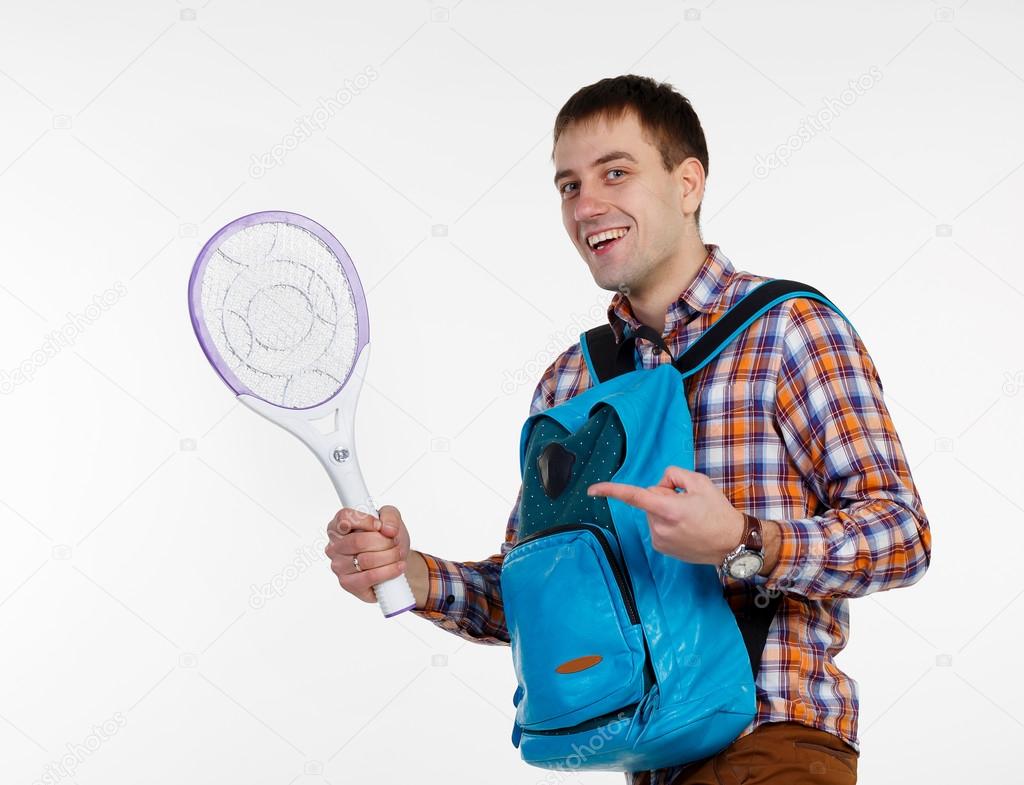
(605, 246)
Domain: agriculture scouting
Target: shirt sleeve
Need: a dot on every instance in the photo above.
(872, 533)
(464, 598)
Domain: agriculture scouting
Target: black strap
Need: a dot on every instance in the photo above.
(607, 359)
(722, 330)
(754, 624)
(610, 360)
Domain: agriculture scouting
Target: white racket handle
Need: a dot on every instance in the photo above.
(394, 596)
(337, 454)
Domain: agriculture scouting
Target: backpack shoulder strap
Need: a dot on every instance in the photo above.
(740, 316)
(754, 623)
(604, 358)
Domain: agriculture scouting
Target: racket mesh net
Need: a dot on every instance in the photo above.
(280, 312)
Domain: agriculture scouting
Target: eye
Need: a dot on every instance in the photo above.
(562, 187)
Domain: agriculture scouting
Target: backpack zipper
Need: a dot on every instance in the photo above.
(624, 588)
(587, 724)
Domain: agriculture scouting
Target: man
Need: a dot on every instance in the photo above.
(789, 425)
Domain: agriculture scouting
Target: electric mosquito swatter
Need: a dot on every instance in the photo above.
(279, 311)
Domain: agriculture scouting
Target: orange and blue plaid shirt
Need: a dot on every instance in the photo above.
(789, 421)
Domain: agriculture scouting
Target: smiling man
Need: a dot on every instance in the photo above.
(794, 446)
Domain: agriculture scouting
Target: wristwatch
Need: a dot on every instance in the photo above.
(747, 558)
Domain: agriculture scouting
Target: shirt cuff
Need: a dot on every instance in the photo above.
(446, 589)
(803, 550)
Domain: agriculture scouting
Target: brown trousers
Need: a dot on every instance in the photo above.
(777, 753)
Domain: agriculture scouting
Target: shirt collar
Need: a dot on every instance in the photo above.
(701, 296)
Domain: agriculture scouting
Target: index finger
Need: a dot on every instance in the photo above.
(348, 520)
(633, 495)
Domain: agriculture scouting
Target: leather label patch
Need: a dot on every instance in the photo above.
(579, 664)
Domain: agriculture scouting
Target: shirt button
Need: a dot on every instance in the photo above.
(450, 599)
(657, 350)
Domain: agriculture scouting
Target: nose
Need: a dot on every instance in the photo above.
(588, 207)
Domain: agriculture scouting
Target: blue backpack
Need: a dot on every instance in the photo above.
(626, 659)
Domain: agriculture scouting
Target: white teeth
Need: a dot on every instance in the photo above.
(607, 235)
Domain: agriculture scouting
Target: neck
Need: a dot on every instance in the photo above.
(650, 304)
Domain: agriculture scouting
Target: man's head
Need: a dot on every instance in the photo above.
(656, 196)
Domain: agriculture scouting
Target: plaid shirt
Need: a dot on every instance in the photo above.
(789, 421)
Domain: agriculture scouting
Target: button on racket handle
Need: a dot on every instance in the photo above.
(394, 596)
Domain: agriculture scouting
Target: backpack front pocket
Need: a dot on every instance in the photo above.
(577, 643)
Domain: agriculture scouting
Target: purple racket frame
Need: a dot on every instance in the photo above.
(195, 293)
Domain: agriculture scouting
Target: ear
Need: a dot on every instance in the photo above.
(689, 175)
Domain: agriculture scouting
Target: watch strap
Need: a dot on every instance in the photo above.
(753, 536)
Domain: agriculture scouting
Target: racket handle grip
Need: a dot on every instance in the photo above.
(394, 596)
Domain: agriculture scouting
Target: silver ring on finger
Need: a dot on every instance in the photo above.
(355, 563)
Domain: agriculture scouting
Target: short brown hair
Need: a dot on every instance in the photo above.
(669, 121)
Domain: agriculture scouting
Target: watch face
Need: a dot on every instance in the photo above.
(745, 565)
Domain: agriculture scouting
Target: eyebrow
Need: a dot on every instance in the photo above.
(614, 155)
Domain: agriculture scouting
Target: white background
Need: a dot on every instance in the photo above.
(140, 504)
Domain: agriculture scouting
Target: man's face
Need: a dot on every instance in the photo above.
(636, 195)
